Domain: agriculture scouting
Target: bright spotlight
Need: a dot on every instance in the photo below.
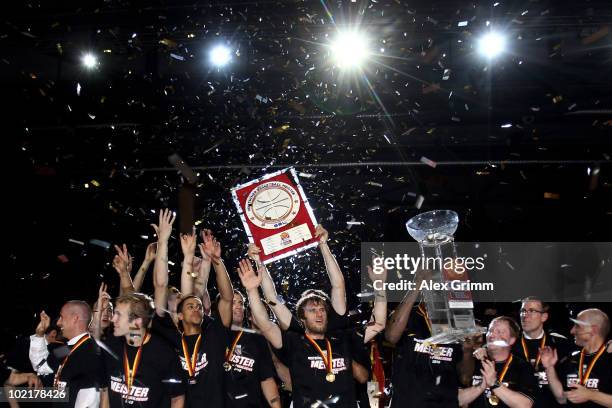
(492, 44)
(349, 49)
(220, 55)
(89, 60)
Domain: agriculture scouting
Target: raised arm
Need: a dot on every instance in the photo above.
(95, 327)
(399, 318)
(251, 281)
(378, 320)
(200, 289)
(549, 358)
(338, 288)
(188, 245)
(122, 262)
(283, 314)
(160, 269)
(212, 248)
(146, 263)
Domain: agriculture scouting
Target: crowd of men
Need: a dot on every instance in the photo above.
(180, 348)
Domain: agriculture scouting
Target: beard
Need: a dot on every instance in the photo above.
(316, 328)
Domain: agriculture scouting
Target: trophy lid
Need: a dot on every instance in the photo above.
(436, 225)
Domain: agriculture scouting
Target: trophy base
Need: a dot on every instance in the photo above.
(451, 336)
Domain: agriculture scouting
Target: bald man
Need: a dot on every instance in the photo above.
(584, 379)
(78, 366)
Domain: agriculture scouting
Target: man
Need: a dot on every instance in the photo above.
(248, 365)
(533, 314)
(423, 375)
(142, 369)
(502, 379)
(320, 362)
(336, 280)
(78, 366)
(583, 379)
(199, 340)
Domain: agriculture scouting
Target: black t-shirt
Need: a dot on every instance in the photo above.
(251, 364)
(424, 375)
(519, 377)
(599, 379)
(84, 368)
(158, 377)
(545, 397)
(360, 354)
(308, 370)
(207, 386)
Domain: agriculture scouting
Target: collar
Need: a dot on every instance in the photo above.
(539, 336)
(73, 340)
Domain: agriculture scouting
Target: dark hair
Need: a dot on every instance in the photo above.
(512, 324)
(179, 306)
(312, 297)
(141, 306)
(545, 306)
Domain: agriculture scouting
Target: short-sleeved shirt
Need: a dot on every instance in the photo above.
(206, 388)
(519, 377)
(308, 371)
(158, 376)
(424, 375)
(251, 363)
(599, 379)
(545, 397)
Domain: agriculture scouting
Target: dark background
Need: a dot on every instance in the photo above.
(95, 165)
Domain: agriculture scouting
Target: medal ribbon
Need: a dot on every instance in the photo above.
(131, 373)
(230, 352)
(327, 361)
(505, 369)
(585, 376)
(191, 362)
(423, 313)
(72, 350)
(526, 351)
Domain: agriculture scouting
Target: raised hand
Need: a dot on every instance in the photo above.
(253, 252)
(103, 297)
(548, 356)
(321, 233)
(211, 247)
(164, 228)
(150, 253)
(248, 277)
(188, 243)
(122, 262)
(43, 324)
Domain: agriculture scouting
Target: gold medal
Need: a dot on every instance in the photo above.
(493, 399)
(330, 377)
(227, 366)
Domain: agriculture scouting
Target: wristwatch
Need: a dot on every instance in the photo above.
(495, 385)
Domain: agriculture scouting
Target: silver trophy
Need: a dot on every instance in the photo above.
(450, 312)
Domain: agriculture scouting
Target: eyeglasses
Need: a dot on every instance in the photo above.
(530, 311)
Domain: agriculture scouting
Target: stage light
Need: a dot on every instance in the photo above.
(491, 45)
(349, 49)
(220, 55)
(89, 61)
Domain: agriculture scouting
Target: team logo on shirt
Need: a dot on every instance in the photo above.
(241, 363)
(436, 353)
(591, 383)
(338, 364)
(202, 362)
(135, 394)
